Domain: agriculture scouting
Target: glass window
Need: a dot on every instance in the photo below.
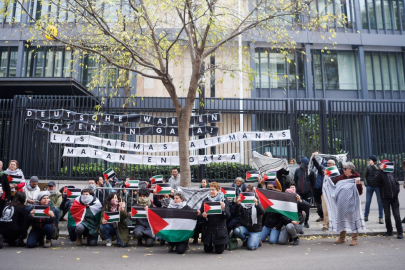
(3, 61)
(387, 12)
(394, 73)
(371, 14)
(13, 62)
(378, 9)
(48, 63)
(401, 73)
(67, 64)
(90, 66)
(277, 70)
(264, 69)
(331, 70)
(291, 70)
(377, 71)
(369, 71)
(57, 71)
(40, 57)
(301, 72)
(363, 10)
(385, 68)
(316, 57)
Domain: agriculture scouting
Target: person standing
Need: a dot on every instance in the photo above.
(5, 191)
(304, 182)
(371, 187)
(389, 190)
(174, 180)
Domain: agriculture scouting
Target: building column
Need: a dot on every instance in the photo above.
(254, 94)
(20, 58)
(309, 89)
(363, 73)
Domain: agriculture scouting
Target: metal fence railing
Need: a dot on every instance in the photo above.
(359, 127)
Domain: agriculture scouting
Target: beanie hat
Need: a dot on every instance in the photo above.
(34, 179)
(42, 194)
(385, 161)
(373, 158)
(305, 161)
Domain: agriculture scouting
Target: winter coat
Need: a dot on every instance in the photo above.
(122, 227)
(38, 223)
(14, 217)
(344, 177)
(368, 175)
(241, 188)
(214, 226)
(246, 217)
(272, 220)
(56, 199)
(21, 185)
(6, 196)
(302, 206)
(304, 180)
(31, 194)
(281, 176)
(388, 184)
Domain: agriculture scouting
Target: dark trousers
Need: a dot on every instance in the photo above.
(37, 236)
(10, 235)
(387, 205)
(180, 246)
(2, 205)
(318, 201)
(219, 249)
(306, 196)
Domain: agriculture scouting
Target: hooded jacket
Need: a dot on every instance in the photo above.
(304, 180)
(31, 194)
(388, 184)
(369, 174)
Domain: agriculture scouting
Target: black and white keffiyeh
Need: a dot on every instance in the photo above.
(344, 207)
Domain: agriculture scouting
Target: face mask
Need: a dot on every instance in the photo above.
(86, 199)
(53, 192)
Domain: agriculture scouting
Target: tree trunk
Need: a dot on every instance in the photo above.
(127, 93)
(184, 153)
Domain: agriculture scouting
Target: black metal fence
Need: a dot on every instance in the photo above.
(359, 127)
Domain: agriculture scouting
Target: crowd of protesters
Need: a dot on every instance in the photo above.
(247, 222)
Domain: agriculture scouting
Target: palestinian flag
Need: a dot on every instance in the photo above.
(279, 202)
(138, 212)
(172, 225)
(112, 217)
(212, 208)
(73, 193)
(78, 212)
(41, 211)
(332, 171)
(247, 197)
(156, 179)
(109, 173)
(14, 179)
(229, 192)
(163, 189)
(252, 175)
(269, 176)
(132, 184)
(66, 188)
(388, 167)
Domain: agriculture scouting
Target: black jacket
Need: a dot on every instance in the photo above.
(368, 175)
(5, 185)
(302, 206)
(246, 217)
(304, 181)
(388, 184)
(281, 176)
(39, 223)
(214, 226)
(14, 218)
(271, 220)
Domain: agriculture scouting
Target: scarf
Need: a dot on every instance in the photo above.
(218, 198)
(176, 205)
(28, 186)
(86, 199)
(143, 201)
(254, 211)
(343, 204)
(165, 202)
(16, 172)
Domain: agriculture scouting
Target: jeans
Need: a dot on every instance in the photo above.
(253, 240)
(290, 230)
(272, 232)
(394, 204)
(57, 216)
(369, 196)
(108, 231)
(38, 235)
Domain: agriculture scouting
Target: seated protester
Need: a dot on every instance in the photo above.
(117, 230)
(41, 227)
(263, 184)
(161, 201)
(13, 222)
(56, 200)
(250, 188)
(251, 223)
(84, 218)
(292, 228)
(142, 229)
(214, 232)
(179, 202)
(204, 183)
(31, 190)
(240, 185)
(272, 223)
(65, 205)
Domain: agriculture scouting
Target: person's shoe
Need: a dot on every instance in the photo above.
(78, 241)
(1, 241)
(380, 220)
(387, 234)
(195, 241)
(301, 232)
(21, 243)
(365, 219)
(170, 249)
(162, 242)
(354, 239)
(400, 236)
(290, 239)
(47, 244)
(319, 219)
(41, 242)
(342, 238)
(140, 242)
(108, 243)
(244, 244)
(296, 241)
(306, 225)
(260, 243)
(324, 228)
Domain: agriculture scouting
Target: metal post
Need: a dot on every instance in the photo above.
(308, 72)
(363, 73)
